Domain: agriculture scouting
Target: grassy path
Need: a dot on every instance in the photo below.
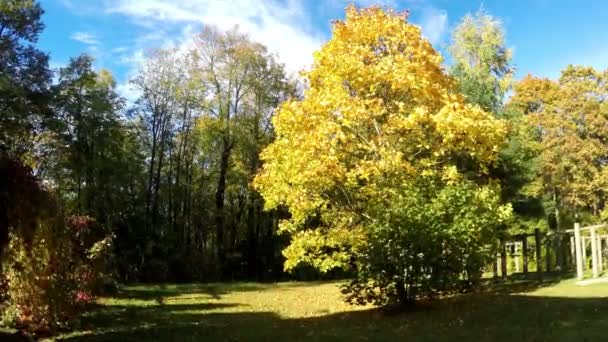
(314, 312)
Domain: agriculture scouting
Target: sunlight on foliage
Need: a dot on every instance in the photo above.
(380, 134)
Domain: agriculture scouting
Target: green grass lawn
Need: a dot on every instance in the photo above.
(514, 311)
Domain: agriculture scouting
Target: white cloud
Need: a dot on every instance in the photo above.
(136, 58)
(283, 27)
(434, 24)
(129, 92)
(120, 49)
(286, 27)
(433, 21)
(85, 38)
(385, 3)
(55, 65)
(68, 3)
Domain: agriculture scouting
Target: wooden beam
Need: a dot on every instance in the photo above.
(597, 226)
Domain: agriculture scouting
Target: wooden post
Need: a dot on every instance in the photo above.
(498, 263)
(572, 251)
(605, 242)
(558, 243)
(503, 259)
(578, 252)
(584, 249)
(594, 262)
(539, 268)
(524, 243)
(495, 265)
(548, 246)
(600, 262)
(515, 254)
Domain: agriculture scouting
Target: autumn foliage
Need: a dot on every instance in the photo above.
(381, 145)
(51, 266)
(567, 120)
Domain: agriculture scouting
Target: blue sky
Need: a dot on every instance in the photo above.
(546, 35)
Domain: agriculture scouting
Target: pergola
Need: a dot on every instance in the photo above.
(591, 234)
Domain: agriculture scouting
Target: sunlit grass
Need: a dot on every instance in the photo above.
(517, 310)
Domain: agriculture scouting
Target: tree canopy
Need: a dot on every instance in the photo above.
(368, 153)
(481, 60)
(569, 121)
(24, 75)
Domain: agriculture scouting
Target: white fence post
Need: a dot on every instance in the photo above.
(594, 262)
(516, 255)
(572, 251)
(579, 253)
(584, 247)
(600, 262)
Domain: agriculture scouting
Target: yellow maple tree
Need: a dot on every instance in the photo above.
(380, 115)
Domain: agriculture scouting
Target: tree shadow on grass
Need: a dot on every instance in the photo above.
(159, 292)
(475, 317)
(520, 283)
(214, 290)
(111, 316)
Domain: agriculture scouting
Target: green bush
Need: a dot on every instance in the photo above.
(92, 254)
(420, 246)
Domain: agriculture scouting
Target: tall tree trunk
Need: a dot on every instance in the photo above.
(557, 240)
(78, 195)
(88, 194)
(171, 191)
(181, 151)
(151, 175)
(219, 204)
(188, 202)
(253, 221)
(405, 294)
(159, 166)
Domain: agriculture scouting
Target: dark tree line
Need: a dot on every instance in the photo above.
(169, 175)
